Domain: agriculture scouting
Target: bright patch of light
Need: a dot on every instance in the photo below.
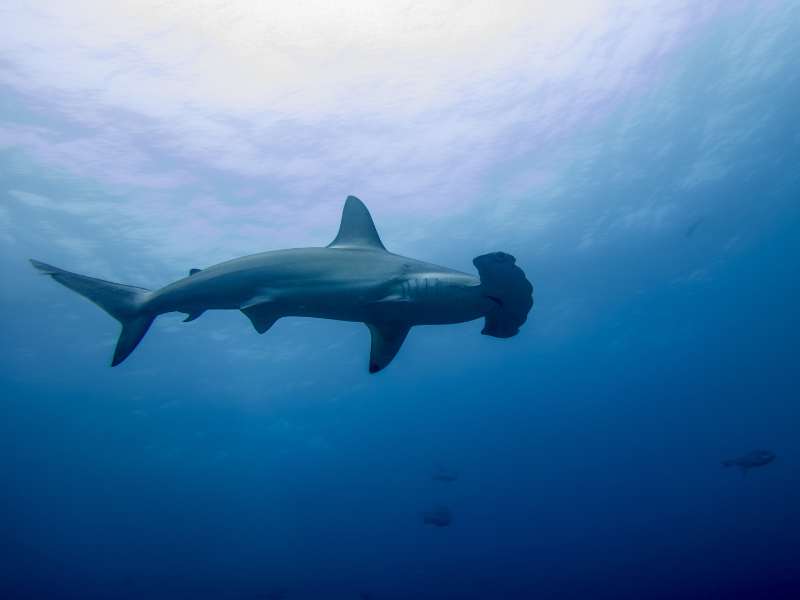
(297, 58)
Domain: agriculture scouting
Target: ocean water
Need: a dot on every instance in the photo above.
(640, 160)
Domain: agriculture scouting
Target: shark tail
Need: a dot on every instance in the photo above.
(126, 303)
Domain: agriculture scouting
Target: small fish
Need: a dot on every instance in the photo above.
(444, 475)
(756, 458)
(693, 227)
(440, 516)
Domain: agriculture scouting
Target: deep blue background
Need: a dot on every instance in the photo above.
(589, 446)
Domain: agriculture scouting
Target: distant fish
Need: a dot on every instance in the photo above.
(440, 516)
(444, 475)
(693, 227)
(751, 460)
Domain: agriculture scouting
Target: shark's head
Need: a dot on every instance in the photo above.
(437, 295)
(509, 294)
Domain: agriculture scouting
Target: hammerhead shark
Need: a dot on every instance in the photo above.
(354, 278)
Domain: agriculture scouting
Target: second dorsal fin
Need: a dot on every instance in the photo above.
(193, 271)
(357, 229)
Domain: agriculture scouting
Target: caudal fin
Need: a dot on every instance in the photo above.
(125, 303)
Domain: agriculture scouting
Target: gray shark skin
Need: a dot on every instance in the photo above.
(352, 279)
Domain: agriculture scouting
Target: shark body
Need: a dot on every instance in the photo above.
(352, 279)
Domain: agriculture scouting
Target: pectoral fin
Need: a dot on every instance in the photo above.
(262, 316)
(386, 341)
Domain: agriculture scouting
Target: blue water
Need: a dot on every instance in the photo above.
(658, 220)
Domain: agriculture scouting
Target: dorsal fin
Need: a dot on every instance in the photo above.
(193, 271)
(357, 229)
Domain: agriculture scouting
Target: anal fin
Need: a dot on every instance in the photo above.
(386, 341)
